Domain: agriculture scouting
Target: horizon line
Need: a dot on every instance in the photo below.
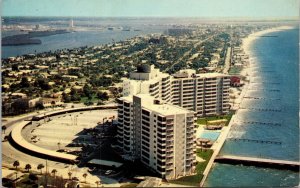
(292, 18)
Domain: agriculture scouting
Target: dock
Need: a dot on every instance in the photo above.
(260, 162)
(259, 123)
(254, 140)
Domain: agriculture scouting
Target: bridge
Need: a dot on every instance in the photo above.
(260, 162)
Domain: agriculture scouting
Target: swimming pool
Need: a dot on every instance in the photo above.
(211, 135)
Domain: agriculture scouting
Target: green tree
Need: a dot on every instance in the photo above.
(4, 128)
(24, 82)
(54, 171)
(87, 91)
(40, 167)
(102, 95)
(27, 167)
(16, 164)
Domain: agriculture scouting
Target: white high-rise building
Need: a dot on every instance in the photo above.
(156, 116)
(206, 94)
(161, 135)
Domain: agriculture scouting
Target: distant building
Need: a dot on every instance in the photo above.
(235, 81)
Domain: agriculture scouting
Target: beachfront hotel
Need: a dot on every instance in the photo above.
(157, 112)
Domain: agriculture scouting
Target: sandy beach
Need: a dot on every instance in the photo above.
(246, 71)
(246, 44)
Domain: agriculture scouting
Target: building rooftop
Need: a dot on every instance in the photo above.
(150, 103)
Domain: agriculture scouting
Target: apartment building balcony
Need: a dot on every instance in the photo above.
(151, 89)
(190, 150)
(170, 133)
(210, 95)
(211, 104)
(169, 165)
(190, 143)
(170, 128)
(167, 86)
(120, 131)
(210, 100)
(188, 90)
(190, 135)
(169, 122)
(169, 154)
(170, 149)
(185, 99)
(166, 94)
(210, 113)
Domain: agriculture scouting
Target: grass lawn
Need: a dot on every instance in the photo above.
(195, 179)
(203, 120)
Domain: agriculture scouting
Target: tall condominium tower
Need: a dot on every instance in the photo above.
(206, 94)
(156, 116)
(160, 135)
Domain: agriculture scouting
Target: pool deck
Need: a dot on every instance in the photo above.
(217, 147)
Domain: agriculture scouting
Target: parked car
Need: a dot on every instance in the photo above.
(108, 172)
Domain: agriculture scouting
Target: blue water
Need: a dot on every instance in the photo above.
(77, 39)
(275, 76)
(210, 135)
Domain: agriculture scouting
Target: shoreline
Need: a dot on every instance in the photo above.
(246, 71)
(247, 41)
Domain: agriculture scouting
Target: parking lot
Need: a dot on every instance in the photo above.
(68, 132)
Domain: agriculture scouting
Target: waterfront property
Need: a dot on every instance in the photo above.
(156, 116)
(160, 135)
(206, 94)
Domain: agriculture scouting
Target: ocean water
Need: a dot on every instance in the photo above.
(275, 81)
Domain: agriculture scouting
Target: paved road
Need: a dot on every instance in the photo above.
(227, 61)
(10, 154)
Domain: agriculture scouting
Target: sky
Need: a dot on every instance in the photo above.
(153, 8)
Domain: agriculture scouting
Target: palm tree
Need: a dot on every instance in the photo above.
(54, 171)
(98, 183)
(16, 164)
(84, 175)
(27, 167)
(69, 174)
(40, 167)
(3, 128)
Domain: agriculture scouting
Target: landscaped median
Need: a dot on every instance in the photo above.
(194, 180)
